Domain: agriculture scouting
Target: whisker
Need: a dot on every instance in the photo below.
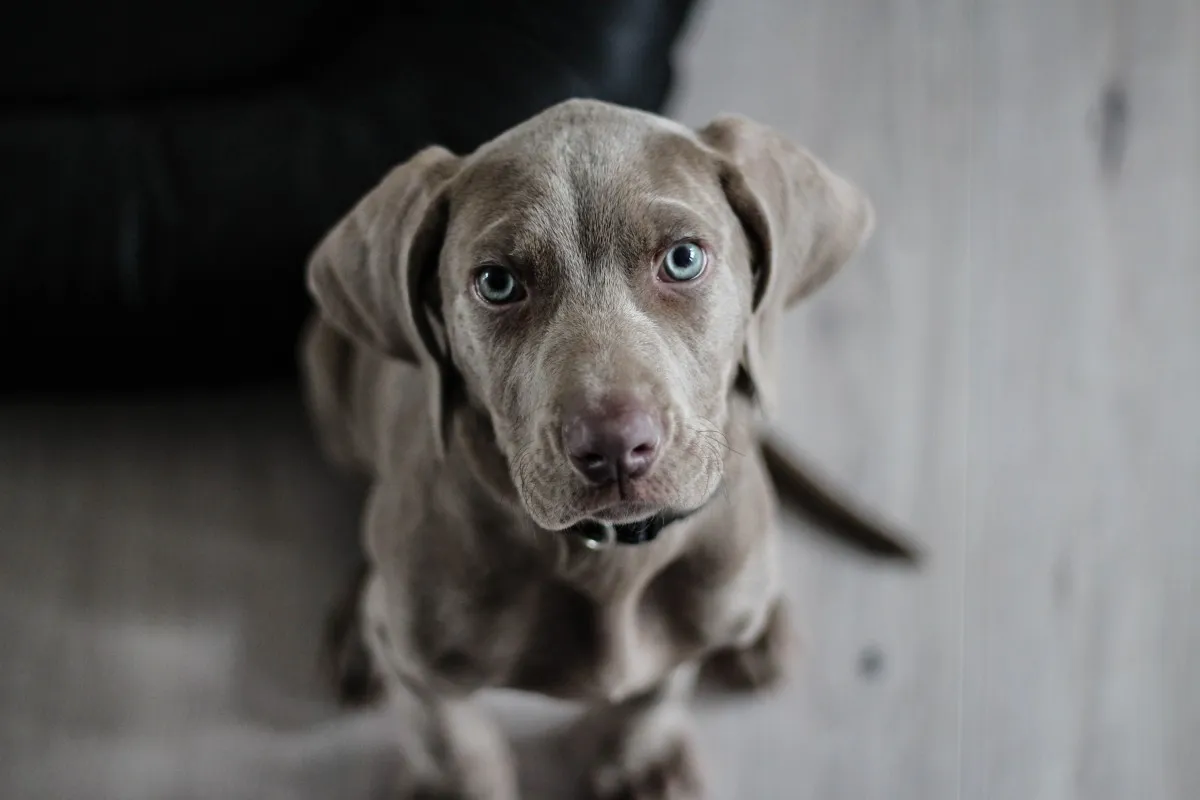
(725, 493)
(723, 436)
(719, 439)
(714, 474)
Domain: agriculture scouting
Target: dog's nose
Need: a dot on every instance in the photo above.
(620, 440)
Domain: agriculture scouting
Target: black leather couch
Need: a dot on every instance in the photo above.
(165, 168)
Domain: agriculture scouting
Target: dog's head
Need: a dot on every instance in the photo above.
(597, 282)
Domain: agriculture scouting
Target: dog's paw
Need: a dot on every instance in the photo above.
(346, 660)
(434, 793)
(449, 786)
(448, 790)
(670, 772)
(760, 665)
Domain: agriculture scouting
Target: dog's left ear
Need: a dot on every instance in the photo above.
(374, 276)
(803, 223)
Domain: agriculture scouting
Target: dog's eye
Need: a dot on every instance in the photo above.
(498, 285)
(683, 262)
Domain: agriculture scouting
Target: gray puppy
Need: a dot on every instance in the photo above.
(550, 358)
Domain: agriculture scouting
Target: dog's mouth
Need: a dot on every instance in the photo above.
(610, 513)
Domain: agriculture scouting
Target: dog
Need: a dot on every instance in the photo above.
(553, 360)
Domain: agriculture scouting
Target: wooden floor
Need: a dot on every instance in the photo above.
(1012, 370)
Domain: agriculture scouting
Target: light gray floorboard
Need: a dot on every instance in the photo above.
(1084, 455)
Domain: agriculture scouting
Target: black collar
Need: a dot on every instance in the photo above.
(598, 535)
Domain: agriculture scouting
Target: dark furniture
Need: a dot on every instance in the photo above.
(165, 168)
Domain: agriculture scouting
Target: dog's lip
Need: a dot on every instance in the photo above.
(607, 507)
(623, 513)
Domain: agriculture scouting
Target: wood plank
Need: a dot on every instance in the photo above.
(1084, 385)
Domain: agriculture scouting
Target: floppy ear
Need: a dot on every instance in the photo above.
(803, 223)
(374, 275)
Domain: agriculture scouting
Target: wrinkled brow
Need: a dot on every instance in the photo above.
(532, 240)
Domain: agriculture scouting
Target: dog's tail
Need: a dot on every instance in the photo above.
(809, 495)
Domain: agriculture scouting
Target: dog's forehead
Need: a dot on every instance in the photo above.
(582, 163)
(579, 134)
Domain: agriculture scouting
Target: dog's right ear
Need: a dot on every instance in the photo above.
(370, 275)
(374, 276)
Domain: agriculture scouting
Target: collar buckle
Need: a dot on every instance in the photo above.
(600, 536)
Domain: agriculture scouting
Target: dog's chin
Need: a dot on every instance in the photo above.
(622, 513)
(606, 506)
(612, 514)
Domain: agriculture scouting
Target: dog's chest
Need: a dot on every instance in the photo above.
(599, 636)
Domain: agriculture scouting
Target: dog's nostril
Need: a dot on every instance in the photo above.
(620, 441)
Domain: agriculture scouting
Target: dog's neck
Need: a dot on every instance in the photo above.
(600, 534)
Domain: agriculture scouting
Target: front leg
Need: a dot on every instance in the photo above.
(642, 748)
(345, 659)
(761, 664)
(449, 748)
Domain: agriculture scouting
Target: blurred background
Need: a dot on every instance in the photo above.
(1011, 370)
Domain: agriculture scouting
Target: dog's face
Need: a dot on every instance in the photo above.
(596, 290)
(597, 282)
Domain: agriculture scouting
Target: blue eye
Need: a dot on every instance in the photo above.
(498, 285)
(683, 262)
